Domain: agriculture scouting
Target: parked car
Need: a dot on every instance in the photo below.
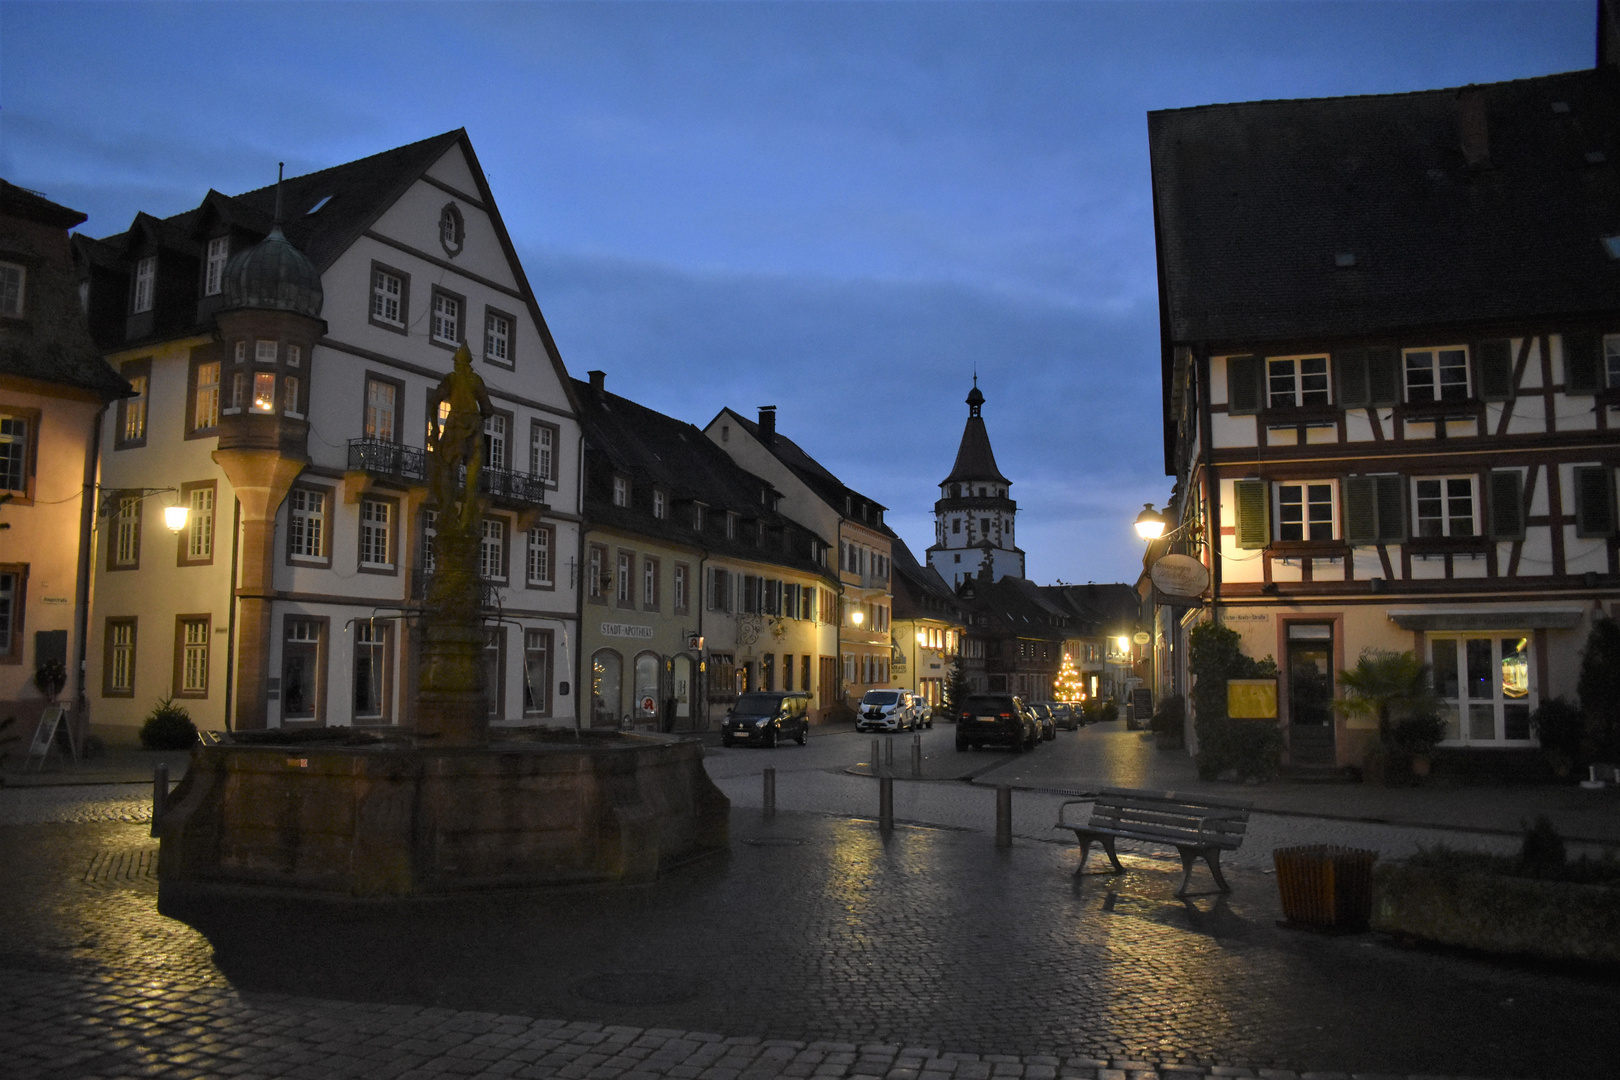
(762, 718)
(925, 714)
(886, 710)
(1044, 722)
(995, 718)
(1062, 714)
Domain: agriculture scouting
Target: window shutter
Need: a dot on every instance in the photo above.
(1594, 502)
(1494, 362)
(1383, 376)
(1351, 366)
(1507, 504)
(1391, 509)
(1253, 530)
(1361, 510)
(1580, 364)
(1243, 379)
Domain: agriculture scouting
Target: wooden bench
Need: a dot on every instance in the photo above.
(1198, 826)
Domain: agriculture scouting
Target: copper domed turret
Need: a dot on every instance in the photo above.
(273, 275)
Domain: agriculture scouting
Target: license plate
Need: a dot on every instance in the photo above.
(987, 719)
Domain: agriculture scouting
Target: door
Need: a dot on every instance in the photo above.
(1310, 693)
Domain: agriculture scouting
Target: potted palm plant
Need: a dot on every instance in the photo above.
(1395, 688)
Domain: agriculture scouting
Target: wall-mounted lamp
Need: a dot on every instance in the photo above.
(1150, 524)
(175, 515)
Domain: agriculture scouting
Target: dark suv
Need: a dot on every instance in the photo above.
(765, 716)
(995, 718)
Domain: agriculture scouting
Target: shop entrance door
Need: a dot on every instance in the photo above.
(1310, 694)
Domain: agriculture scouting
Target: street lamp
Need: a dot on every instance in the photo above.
(175, 517)
(1150, 524)
(857, 616)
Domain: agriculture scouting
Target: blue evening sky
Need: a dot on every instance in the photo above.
(842, 209)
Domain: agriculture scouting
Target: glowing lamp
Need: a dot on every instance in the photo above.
(857, 617)
(1150, 523)
(175, 517)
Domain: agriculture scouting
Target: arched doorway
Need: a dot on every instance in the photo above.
(683, 689)
(649, 697)
(607, 679)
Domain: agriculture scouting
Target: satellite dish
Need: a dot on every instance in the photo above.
(1180, 575)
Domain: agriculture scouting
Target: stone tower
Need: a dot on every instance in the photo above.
(973, 519)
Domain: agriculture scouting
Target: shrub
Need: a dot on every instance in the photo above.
(168, 727)
(1599, 689)
(1170, 720)
(1542, 854)
(1251, 748)
(1110, 710)
(50, 676)
(1559, 726)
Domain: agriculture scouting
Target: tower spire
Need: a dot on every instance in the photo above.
(281, 167)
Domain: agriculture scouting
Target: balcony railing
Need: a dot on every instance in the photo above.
(410, 464)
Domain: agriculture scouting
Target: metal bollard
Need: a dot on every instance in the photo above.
(160, 797)
(916, 755)
(770, 792)
(888, 752)
(1003, 816)
(877, 758)
(886, 803)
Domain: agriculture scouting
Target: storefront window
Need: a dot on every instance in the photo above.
(1484, 684)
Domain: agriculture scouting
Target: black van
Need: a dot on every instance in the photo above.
(766, 715)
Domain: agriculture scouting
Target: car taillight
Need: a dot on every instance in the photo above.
(1006, 716)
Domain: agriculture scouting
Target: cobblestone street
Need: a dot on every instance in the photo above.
(818, 947)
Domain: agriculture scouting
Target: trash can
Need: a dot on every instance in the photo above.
(1325, 887)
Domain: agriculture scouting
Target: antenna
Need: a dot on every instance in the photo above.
(280, 167)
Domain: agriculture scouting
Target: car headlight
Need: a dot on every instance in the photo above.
(761, 723)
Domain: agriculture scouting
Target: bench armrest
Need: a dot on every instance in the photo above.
(1063, 824)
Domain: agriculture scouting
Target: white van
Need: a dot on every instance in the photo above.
(886, 710)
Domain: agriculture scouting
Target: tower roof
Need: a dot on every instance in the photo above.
(974, 458)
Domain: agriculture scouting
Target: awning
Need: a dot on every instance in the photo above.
(1490, 617)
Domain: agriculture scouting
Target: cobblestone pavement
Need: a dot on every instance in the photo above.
(819, 947)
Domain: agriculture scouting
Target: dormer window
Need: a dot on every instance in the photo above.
(621, 491)
(264, 352)
(145, 278)
(731, 526)
(660, 504)
(219, 250)
(12, 278)
(697, 517)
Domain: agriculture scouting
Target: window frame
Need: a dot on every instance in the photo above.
(109, 650)
(510, 361)
(680, 592)
(13, 614)
(21, 311)
(1467, 395)
(1415, 485)
(1499, 700)
(652, 580)
(24, 496)
(1297, 377)
(115, 521)
(324, 559)
(398, 386)
(440, 293)
(181, 622)
(620, 496)
(384, 630)
(201, 358)
(508, 423)
(1585, 528)
(549, 582)
(1609, 350)
(185, 537)
(132, 370)
(502, 537)
(403, 325)
(390, 568)
(597, 574)
(1307, 522)
(549, 477)
(318, 681)
(624, 579)
(542, 707)
(216, 255)
(143, 285)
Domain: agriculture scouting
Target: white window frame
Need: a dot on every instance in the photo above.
(194, 635)
(1523, 696)
(446, 319)
(127, 533)
(388, 297)
(14, 447)
(1444, 384)
(376, 534)
(306, 524)
(649, 581)
(264, 350)
(621, 491)
(200, 525)
(1445, 495)
(492, 550)
(1312, 508)
(145, 281)
(219, 253)
(1296, 381)
(496, 445)
(205, 411)
(382, 409)
(120, 657)
(261, 400)
(135, 409)
(537, 560)
(497, 338)
(542, 450)
(660, 504)
(1611, 361)
(13, 289)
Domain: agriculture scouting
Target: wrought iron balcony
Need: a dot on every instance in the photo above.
(410, 464)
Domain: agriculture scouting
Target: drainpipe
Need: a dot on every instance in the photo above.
(579, 581)
(81, 587)
(230, 621)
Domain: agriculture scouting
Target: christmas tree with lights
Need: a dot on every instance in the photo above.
(1069, 686)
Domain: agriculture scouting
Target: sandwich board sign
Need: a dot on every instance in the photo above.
(45, 735)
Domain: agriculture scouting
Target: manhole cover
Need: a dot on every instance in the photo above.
(775, 841)
(637, 988)
(110, 869)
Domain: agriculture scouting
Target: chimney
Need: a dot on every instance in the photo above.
(597, 379)
(767, 424)
(1473, 127)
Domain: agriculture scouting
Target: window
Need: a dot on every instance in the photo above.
(622, 581)
(289, 397)
(300, 670)
(12, 278)
(14, 455)
(219, 251)
(1444, 506)
(452, 229)
(238, 393)
(537, 673)
(495, 447)
(295, 356)
(495, 673)
(264, 393)
(376, 534)
(678, 586)
(1295, 381)
(731, 525)
(542, 450)
(125, 550)
(191, 656)
(497, 337)
(306, 524)
(145, 276)
(1611, 361)
(492, 550)
(197, 541)
(596, 567)
(11, 613)
(264, 352)
(382, 409)
(430, 531)
(649, 583)
(660, 504)
(790, 600)
(118, 659)
(1483, 681)
(373, 661)
(621, 491)
(205, 403)
(389, 290)
(1594, 501)
(446, 326)
(132, 410)
(1436, 375)
(537, 562)
(697, 517)
(1307, 511)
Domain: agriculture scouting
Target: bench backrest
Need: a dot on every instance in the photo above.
(1172, 816)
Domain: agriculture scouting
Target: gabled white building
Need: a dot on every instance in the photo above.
(285, 346)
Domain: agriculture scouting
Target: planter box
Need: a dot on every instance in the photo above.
(1326, 887)
(1551, 920)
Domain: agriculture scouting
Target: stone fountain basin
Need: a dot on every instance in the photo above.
(386, 820)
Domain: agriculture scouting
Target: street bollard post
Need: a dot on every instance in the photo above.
(770, 792)
(1003, 816)
(886, 803)
(877, 758)
(888, 752)
(160, 796)
(916, 755)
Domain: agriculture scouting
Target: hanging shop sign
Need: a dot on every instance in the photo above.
(1180, 575)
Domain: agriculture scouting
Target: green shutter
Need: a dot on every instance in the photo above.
(1384, 375)
(1594, 502)
(1391, 510)
(1507, 504)
(1351, 367)
(1493, 361)
(1361, 510)
(1580, 364)
(1244, 375)
(1253, 530)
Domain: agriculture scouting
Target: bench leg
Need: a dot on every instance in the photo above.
(1188, 860)
(1213, 857)
(1108, 846)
